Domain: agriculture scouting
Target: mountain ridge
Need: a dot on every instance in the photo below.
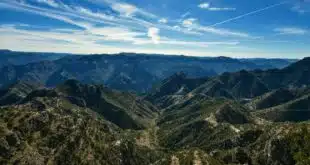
(130, 72)
(241, 86)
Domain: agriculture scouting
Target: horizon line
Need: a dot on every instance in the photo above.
(151, 54)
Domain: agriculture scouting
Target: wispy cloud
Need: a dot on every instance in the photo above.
(94, 35)
(77, 41)
(223, 32)
(207, 6)
(249, 13)
(199, 44)
(185, 15)
(290, 31)
(221, 9)
(90, 13)
(124, 9)
(45, 12)
(193, 25)
(51, 3)
(301, 7)
(163, 20)
(189, 22)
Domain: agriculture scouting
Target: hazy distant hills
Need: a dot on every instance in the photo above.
(125, 71)
(8, 57)
(296, 74)
(270, 63)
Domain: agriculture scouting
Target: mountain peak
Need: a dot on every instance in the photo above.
(177, 76)
(72, 82)
(304, 63)
(224, 57)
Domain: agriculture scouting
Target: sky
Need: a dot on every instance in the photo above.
(232, 28)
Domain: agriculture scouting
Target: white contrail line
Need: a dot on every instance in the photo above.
(250, 13)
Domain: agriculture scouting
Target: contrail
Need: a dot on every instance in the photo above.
(250, 13)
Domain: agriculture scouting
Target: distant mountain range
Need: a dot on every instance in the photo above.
(125, 71)
(8, 57)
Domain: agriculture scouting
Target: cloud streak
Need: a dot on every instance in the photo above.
(249, 14)
(124, 9)
(92, 36)
(163, 20)
(291, 31)
(207, 6)
(51, 3)
(193, 25)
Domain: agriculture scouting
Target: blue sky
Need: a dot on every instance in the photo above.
(233, 28)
